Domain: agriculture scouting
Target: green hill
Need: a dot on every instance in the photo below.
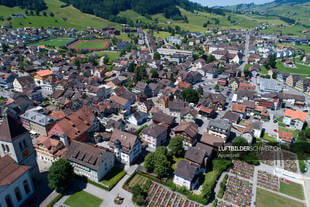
(68, 16)
(297, 10)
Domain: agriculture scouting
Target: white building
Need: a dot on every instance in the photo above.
(186, 174)
(90, 161)
(154, 135)
(126, 146)
(15, 182)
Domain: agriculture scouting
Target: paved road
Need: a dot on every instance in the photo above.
(246, 52)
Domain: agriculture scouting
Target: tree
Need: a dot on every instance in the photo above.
(240, 141)
(106, 59)
(157, 162)
(131, 67)
(216, 87)
(307, 132)
(272, 62)
(52, 14)
(190, 95)
(274, 75)
(44, 13)
(154, 73)
(200, 90)
(176, 146)
(246, 72)
(138, 195)
(60, 175)
(156, 56)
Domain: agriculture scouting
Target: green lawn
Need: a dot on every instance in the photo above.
(263, 70)
(83, 199)
(112, 55)
(114, 176)
(91, 44)
(301, 69)
(269, 138)
(161, 34)
(124, 37)
(55, 42)
(292, 189)
(267, 199)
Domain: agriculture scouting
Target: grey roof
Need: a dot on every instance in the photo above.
(139, 115)
(154, 130)
(37, 117)
(186, 170)
(231, 116)
(85, 154)
(257, 125)
(220, 123)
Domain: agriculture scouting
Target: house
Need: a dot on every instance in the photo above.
(126, 146)
(212, 140)
(282, 76)
(232, 117)
(256, 128)
(292, 99)
(303, 84)
(89, 160)
(188, 131)
(294, 119)
(292, 79)
(16, 184)
(143, 89)
(6, 80)
(121, 103)
(239, 108)
(145, 106)
(154, 135)
(37, 122)
(286, 136)
(137, 118)
(163, 119)
(219, 128)
(20, 84)
(76, 126)
(41, 76)
(186, 174)
(49, 150)
(199, 155)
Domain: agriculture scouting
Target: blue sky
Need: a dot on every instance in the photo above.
(211, 3)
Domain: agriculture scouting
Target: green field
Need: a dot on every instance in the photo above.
(292, 189)
(267, 199)
(113, 177)
(300, 69)
(84, 44)
(161, 34)
(137, 180)
(55, 42)
(112, 55)
(67, 17)
(83, 199)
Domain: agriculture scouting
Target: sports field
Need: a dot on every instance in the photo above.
(58, 42)
(90, 44)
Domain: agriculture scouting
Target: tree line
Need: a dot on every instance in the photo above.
(37, 5)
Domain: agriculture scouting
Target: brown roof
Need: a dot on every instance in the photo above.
(10, 129)
(160, 117)
(212, 140)
(154, 130)
(85, 154)
(286, 136)
(77, 123)
(238, 108)
(10, 170)
(52, 145)
(119, 100)
(126, 140)
(190, 128)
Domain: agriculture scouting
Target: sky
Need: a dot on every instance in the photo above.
(211, 3)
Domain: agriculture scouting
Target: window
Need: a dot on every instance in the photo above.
(7, 148)
(3, 147)
(26, 187)
(17, 194)
(8, 201)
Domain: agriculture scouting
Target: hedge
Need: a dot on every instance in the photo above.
(55, 200)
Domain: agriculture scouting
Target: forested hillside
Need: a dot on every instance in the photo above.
(37, 5)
